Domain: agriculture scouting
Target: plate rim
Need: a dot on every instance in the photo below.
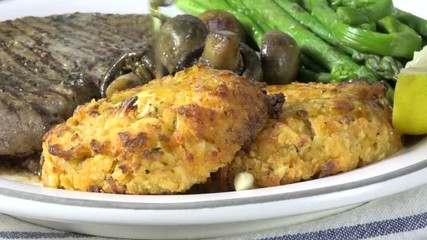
(225, 199)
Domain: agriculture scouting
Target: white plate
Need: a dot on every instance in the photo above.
(208, 215)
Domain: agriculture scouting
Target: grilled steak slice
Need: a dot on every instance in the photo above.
(50, 65)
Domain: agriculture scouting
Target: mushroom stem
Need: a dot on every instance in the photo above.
(222, 51)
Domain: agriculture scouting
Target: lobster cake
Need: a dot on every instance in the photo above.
(324, 129)
(159, 138)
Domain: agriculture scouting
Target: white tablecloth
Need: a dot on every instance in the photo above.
(400, 216)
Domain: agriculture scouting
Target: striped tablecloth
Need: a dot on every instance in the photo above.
(401, 216)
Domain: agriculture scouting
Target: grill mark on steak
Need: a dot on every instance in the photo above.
(37, 65)
(76, 40)
(50, 65)
(61, 38)
(91, 31)
(9, 107)
(19, 53)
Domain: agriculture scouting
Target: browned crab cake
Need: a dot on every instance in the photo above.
(159, 138)
(324, 129)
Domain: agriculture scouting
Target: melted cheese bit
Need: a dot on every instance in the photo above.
(243, 181)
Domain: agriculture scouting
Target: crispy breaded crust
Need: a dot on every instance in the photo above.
(324, 129)
(162, 137)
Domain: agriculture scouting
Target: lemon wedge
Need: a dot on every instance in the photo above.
(410, 96)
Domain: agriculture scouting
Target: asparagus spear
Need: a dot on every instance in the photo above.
(342, 67)
(400, 43)
(415, 22)
(355, 12)
(385, 67)
(352, 16)
(307, 75)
